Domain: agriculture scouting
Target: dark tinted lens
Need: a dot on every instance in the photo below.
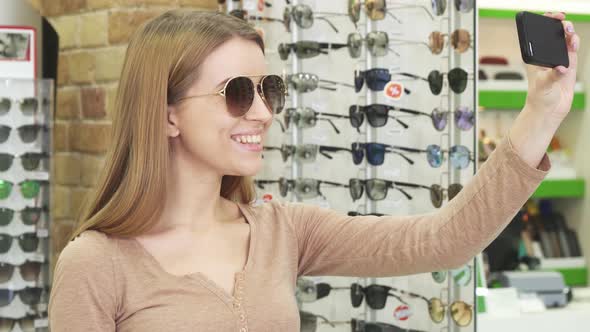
(273, 90)
(376, 296)
(356, 116)
(439, 7)
(5, 243)
(458, 80)
(375, 153)
(358, 153)
(6, 216)
(30, 161)
(435, 82)
(5, 161)
(377, 78)
(5, 105)
(359, 80)
(29, 106)
(464, 118)
(30, 295)
(239, 94)
(6, 296)
(307, 49)
(30, 271)
(436, 195)
(28, 242)
(454, 190)
(6, 271)
(356, 188)
(464, 6)
(31, 215)
(284, 50)
(4, 133)
(434, 155)
(376, 189)
(459, 156)
(356, 295)
(308, 321)
(283, 186)
(439, 119)
(323, 290)
(28, 133)
(377, 115)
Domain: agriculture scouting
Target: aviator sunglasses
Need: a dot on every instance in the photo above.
(239, 93)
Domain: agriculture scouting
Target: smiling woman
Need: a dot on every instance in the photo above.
(170, 240)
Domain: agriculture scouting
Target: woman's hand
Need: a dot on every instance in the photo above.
(549, 99)
(551, 91)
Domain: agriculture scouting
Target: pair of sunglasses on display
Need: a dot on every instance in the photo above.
(377, 9)
(307, 117)
(239, 92)
(304, 153)
(29, 188)
(28, 216)
(30, 161)
(305, 49)
(303, 188)
(309, 291)
(461, 276)
(28, 296)
(27, 106)
(461, 312)
(376, 78)
(29, 271)
(29, 242)
(26, 324)
(306, 82)
(309, 322)
(377, 190)
(27, 133)
(304, 16)
(378, 114)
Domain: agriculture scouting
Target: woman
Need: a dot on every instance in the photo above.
(170, 242)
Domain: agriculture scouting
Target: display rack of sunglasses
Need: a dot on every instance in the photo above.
(26, 109)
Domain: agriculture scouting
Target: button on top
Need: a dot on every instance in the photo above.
(243, 329)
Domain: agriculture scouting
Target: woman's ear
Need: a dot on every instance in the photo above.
(172, 129)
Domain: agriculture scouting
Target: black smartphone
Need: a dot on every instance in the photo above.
(542, 40)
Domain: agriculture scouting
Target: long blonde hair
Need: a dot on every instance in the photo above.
(162, 62)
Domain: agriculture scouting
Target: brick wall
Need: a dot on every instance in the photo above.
(93, 36)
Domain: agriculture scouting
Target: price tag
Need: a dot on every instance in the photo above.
(394, 91)
(41, 322)
(392, 173)
(42, 232)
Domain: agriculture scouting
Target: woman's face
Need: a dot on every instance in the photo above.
(202, 129)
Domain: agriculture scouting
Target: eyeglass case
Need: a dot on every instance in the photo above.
(542, 40)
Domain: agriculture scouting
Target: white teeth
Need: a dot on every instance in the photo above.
(250, 139)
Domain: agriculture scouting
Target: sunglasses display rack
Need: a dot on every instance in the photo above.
(26, 107)
(349, 141)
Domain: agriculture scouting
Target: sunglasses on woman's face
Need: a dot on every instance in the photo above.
(457, 80)
(29, 188)
(376, 295)
(239, 93)
(28, 106)
(459, 155)
(307, 117)
(376, 79)
(460, 41)
(377, 115)
(29, 271)
(305, 153)
(29, 296)
(29, 242)
(28, 216)
(26, 324)
(375, 152)
(303, 188)
(305, 49)
(304, 16)
(30, 161)
(310, 291)
(27, 133)
(306, 82)
(377, 44)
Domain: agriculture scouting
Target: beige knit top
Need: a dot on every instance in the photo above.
(104, 283)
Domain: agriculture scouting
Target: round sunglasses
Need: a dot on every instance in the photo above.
(460, 41)
(28, 216)
(30, 161)
(375, 152)
(29, 188)
(239, 92)
(459, 155)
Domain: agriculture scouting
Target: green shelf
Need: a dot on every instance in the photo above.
(511, 14)
(515, 100)
(576, 276)
(561, 189)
